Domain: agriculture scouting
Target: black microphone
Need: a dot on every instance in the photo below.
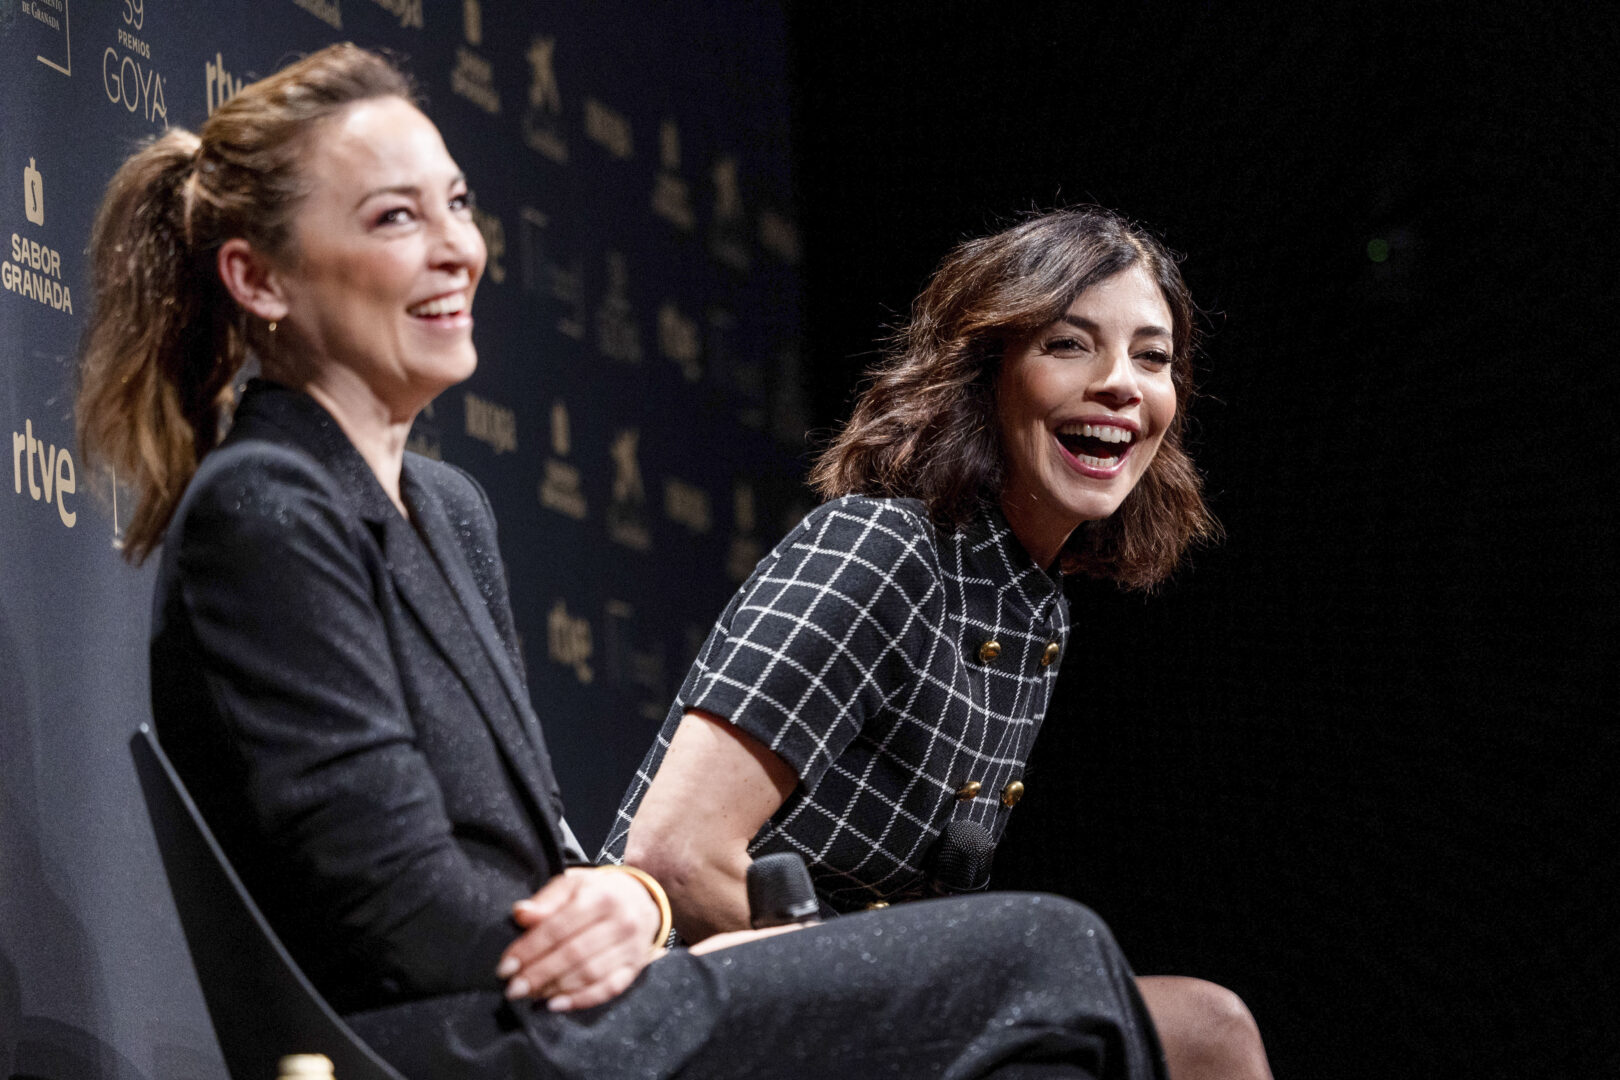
(960, 860)
(780, 892)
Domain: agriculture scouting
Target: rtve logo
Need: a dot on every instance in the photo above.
(55, 479)
(221, 84)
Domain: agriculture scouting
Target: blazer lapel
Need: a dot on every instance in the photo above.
(442, 541)
(438, 589)
(430, 576)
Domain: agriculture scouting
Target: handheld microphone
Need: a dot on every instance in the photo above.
(960, 861)
(780, 891)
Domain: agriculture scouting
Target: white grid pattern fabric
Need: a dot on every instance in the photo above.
(853, 652)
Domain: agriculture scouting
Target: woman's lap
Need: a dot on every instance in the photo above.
(948, 989)
(936, 989)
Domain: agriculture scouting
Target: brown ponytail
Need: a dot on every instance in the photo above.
(165, 339)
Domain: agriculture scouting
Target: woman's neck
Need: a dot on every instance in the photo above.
(378, 432)
(1042, 535)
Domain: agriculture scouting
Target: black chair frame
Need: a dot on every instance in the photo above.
(262, 1006)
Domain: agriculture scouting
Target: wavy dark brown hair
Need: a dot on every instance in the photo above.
(924, 427)
(165, 340)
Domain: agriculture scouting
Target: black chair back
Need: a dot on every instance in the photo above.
(261, 1004)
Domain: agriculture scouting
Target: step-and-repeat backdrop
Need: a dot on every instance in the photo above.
(637, 418)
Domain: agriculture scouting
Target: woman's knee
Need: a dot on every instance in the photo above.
(1058, 916)
(1206, 1029)
(1040, 925)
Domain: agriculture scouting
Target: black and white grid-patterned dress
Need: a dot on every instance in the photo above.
(901, 669)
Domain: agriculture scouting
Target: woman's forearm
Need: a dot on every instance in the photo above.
(706, 886)
(714, 790)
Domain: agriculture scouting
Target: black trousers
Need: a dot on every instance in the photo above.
(1004, 985)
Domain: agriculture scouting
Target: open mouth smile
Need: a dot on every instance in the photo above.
(440, 308)
(1096, 449)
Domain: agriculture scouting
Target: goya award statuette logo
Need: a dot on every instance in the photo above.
(542, 122)
(626, 513)
(562, 488)
(473, 77)
(671, 197)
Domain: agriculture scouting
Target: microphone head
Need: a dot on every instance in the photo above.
(780, 891)
(962, 857)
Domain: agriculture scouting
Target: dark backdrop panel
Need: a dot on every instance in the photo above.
(1358, 762)
(637, 418)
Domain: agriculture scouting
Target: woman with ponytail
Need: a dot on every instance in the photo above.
(165, 340)
(335, 673)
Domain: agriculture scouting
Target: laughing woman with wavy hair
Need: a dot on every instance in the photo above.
(882, 675)
(935, 423)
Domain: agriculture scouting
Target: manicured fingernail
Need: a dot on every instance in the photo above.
(560, 1004)
(517, 988)
(508, 968)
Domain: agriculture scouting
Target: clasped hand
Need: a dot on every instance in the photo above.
(586, 936)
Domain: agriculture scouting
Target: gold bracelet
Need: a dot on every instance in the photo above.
(666, 917)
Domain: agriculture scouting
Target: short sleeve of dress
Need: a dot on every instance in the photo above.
(829, 626)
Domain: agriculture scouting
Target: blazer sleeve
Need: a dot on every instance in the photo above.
(277, 581)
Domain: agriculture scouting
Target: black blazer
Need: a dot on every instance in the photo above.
(343, 695)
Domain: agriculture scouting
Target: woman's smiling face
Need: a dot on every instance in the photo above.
(1082, 408)
(385, 258)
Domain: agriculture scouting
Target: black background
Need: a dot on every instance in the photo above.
(1358, 762)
